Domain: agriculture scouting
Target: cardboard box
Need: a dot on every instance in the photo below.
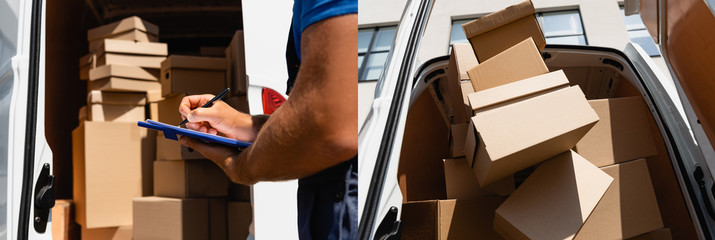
(218, 218)
(457, 136)
(111, 165)
(122, 26)
(461, 183)
(154, 97)
(118, 84)
(660, 234)
(450, 219)
(123, 71)
(239, 219)
(236, 70)
(193, 75)
(82, 113)
(116, 107)
(131, 35)
(168, 150)
(108, 233)
(493, 33)
(521, 124)
(171, 218)
(63, 225)
(629, 207)
(554, 201)
(518, 62)
(131, 47)
(461, 59)
(238, 192)
(467, 89)
(145, 61)
(622, 134)
(189, 179)
(86, 63)
(212, 51)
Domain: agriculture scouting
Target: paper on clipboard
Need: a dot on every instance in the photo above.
(172, 132)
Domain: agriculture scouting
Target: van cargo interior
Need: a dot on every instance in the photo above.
(600, 74)
(184, 25)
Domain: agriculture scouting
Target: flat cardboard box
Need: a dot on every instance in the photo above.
(86, 63)
(517, 133)
(660, 234)
(621, 135)
(124, 25)
(518, 62)
(240, 215)
(450, 219)
(457, 135)
(135, 35)
(239, 103)
(111, 164)
(123, 71)
(171, 218)
(118, 84)
(63, 225)
(108, 233)
(116, 106)
(192, 81)
(461, 183)
(218, 218)
(189, 179)
(238, 192)
(629, 207)
(236, 70)
(554, 201)
(131, 47)
(493, 33)
(145, 61)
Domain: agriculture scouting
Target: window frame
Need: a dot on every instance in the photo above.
(628, 31)
(370, 50)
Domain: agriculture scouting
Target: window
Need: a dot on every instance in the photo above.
(639, 34)
(373, 47)
(562, 27)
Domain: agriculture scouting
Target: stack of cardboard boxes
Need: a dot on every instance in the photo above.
(120, 192)
(508, 115)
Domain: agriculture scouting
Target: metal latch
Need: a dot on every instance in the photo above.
(44, 198)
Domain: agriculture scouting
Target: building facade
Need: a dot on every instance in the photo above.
(582, 22)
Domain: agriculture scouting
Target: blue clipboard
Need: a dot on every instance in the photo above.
(171, 132)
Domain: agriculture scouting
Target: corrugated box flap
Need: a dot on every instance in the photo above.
(123, 25)
(519, 89)
(124, 72)
(119, 98)
(131, 47)
(499, 18)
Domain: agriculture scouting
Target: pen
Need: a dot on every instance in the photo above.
(208, 104)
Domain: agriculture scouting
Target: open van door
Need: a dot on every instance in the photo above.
(27, 194)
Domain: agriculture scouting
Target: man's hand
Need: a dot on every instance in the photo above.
(219, 118)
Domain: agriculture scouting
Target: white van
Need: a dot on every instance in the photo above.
(26, 161)
(687, 152)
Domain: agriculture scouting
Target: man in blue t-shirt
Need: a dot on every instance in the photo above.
(313, 135)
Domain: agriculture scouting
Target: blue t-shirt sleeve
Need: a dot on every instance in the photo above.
(307, 12)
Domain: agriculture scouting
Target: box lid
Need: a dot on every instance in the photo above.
(123, 71)
(499, 18)
(194, 62)
(131, 47)
(123, 25)
(515, 90)
(518, 62)
(554, 201)
(117, 98)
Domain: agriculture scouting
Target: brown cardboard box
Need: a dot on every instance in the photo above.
(554, 201)
(523, 123)
(118, 84)
(86, 63)
(63, 225)
(131, 47)
(82, 114)
(108, 233)
(193, 75)
(450, 219)
(115, 106)
(154, 97)
(218, 218)
(168, 150)
(236, 70)
(493, 33)
(239, 103)
(239, 218)
(145, 61)
(461, 183)
(169, 109)
(628, 208)
(171, 218)
(238, 192)
(660, 234)
(123, 71)
(111, 166)
(131, 35)
(212, 51)
(189, 179)
(122, 26)
(457, 135)
(518, 62)
(461, 59)
(466, 90)
(622, 134)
